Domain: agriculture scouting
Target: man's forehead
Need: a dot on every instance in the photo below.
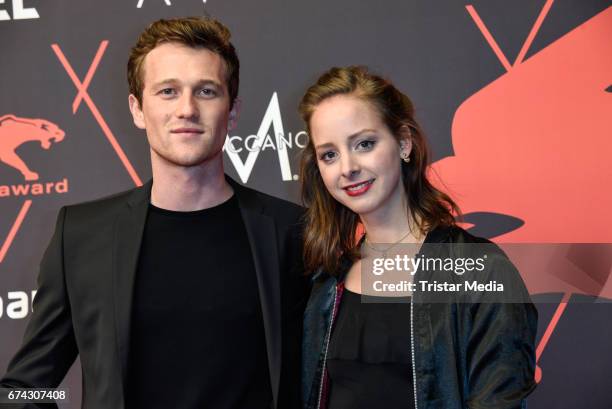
(169, 59)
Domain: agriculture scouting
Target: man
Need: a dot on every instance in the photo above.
(188, 291)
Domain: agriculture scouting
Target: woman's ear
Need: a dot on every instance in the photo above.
(405, 143)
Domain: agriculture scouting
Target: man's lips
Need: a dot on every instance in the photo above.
(187, 130)
(360, 188)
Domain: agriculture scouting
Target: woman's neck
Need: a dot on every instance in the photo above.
(397, 228)
(393, 223)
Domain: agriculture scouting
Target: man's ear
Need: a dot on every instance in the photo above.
(234, 113)
(136, 110)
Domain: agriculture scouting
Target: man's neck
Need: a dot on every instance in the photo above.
(187, 189)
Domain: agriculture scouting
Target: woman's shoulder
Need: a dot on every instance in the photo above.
(453, 234)
(458, 242)
(497, 266)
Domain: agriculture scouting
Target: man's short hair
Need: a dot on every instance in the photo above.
(196, 32)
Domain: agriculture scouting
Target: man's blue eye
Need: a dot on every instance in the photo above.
(208, 92)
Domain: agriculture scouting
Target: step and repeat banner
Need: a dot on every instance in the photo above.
(515, 97)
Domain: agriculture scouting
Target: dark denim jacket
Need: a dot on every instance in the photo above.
(465, 354)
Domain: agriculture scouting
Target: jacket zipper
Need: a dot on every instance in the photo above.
(414, 379)
(328, 336)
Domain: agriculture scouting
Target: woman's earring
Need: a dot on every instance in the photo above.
(403, 154)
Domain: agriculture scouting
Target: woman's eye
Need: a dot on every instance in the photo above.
(327, 156)
(366, 145)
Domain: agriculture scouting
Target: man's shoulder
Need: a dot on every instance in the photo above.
(272, 206)
(106, 205)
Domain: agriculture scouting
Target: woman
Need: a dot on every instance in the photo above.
(366, 164)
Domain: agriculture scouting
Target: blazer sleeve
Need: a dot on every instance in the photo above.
(501, 346)
(49, 347)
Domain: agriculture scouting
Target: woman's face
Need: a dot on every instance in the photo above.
(358, 156)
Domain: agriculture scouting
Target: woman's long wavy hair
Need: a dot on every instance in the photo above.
(331, 226)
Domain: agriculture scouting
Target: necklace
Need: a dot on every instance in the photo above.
(384, 251)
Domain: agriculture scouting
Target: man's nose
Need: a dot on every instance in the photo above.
(187, 107)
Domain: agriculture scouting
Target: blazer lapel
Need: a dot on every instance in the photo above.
(129, 227)
(261, 232)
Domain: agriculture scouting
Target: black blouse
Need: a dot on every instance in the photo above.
(369, 357)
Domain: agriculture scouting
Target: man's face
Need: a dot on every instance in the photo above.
(185, 105)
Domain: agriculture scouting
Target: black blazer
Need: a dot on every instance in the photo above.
(85, 286)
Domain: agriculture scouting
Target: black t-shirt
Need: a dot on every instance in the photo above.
(197, 337)
(369, 358)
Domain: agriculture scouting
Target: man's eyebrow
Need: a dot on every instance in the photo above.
(350, 138)
(176, 80)
(210, 82)
(165, 81)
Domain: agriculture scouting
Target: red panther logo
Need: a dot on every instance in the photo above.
(15, 131)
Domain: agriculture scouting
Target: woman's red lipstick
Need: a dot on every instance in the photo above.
(358, 188)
